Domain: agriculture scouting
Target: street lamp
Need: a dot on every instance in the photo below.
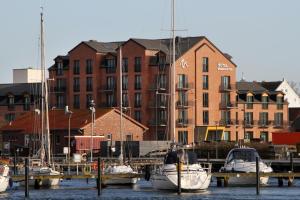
(93, 111)
(69, 113)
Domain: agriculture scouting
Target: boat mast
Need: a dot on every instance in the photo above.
(45, 119)
(121, 109)
(172, 77)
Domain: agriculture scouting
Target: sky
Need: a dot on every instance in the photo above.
(262, 36)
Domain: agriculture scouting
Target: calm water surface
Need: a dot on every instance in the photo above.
(80, 189)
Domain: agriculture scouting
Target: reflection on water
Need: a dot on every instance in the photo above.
(80, 189)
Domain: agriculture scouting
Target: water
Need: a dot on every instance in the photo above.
(79, 189)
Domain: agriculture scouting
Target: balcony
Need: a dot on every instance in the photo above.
(159, 87)
(249, 124)
(183, 104)
(160, 122)
(159, 104)
(263, 123)
(183, 122)
(280, 124)
(107, 88)
(227, 88)
(183, 86)
(227, 122)
(227, 105)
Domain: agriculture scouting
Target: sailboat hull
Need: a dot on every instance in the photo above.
(47, 182)
(4, 179)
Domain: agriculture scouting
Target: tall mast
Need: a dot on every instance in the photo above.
(43, 91)
(45, 119)
(172, 77)
(121, 111)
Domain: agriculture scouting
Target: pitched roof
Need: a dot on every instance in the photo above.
(19, 88)
(244, 86)
(271, 86)
(58, 120)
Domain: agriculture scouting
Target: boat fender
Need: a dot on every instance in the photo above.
(87, 170)
(147, 173)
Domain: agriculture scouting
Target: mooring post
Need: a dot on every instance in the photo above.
(26, 178)
(99, 176)
(178, 177)
(15, 163)
(291, 162)
(257, 176)
(226, 178)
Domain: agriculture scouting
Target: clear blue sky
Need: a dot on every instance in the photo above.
(263, 36)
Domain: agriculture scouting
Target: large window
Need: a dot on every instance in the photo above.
(226, 136)
(250, 100)
(76, 84)
(182, 98)
(89, 84)
(182, 116)
(138, 82)
(76, 67)
(264, 102)
(125, 101)
(137, 115)
(225, 100)
(263, 119)
(279, 101)
(278, 119)
(162, 117)
(76, 101)
(182, 81)
(205, 117)
(89, 66)
(137, 64)
(110, 65)
(162, 81)
(125, 65)
(225, 117)
(110, 83)
(60, 101)
(110, 100)
(249, 135)
(183, 137)
(205, 82)
(137, 100)
(205, 64)
(59, 70)
(249, 118)
(125, 82)
(264, 136)
(225, 82)
(205, 99)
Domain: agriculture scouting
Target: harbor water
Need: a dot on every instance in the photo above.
(80, 189)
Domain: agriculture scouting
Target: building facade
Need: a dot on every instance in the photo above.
(27, 75)
(206, 90)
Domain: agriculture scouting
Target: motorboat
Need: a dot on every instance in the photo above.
(243, 160)
(4, 177)
(193, 175)
(122, 175)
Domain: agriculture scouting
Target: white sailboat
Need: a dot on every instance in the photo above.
(41, 166)
(243, 160)
(4, 177)
(193, 175)
(122, 168)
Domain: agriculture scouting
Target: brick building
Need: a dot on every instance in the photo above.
(24, 131)
(205, 85)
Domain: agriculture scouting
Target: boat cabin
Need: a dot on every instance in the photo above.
(242, 154)
(185, 157)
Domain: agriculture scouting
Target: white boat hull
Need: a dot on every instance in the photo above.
(120, 181)
(4, 182)
(235, 181)
(120, 169)
(47, 182)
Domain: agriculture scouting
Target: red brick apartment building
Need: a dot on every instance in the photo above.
(206, 104)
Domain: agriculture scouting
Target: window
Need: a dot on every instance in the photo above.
(60, 85)
(110, 83)
(89, 84)
(182, 81)
(125, 101)
(205, 100)
(138, 82)
(279, 101)
(129, 137)
(182, 117)
(162, 100)
(89, 98)
(205, 64)
(57, 139)
(125, 65)
(110, 65)
(225, 117)
(263, 119)
(278, 119)
(226, 136)
(225, 100)
(11, 102)
(249, 135)
(265, 102)
(225, 82)
(89, 66)
(161, 135)
(182, 99)
(183, 137)
(205, 82)
(76, 102)
(162, 81)
(162, 117)
(249, 118)
(205, 117)
(137, 115)
(76, 67)
(76, 84)
(125, 82)
(59, 70)
(264, 136)
(10, 117)
(110, 100)
(137, 64)
(137, 100)
(250, 101)
(60, 101)
(26, 105)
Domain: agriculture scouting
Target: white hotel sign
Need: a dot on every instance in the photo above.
(223, 67)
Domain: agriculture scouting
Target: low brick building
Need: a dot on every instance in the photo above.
(24, 131)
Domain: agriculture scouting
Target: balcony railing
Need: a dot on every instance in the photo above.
(161, 87)
(227, 105)
(159, 122)
(227, 122)
(227, 88)
(280, 124)
(158, 104)
(183, 122)
(263, 123)
(183, 86)
(183, 104)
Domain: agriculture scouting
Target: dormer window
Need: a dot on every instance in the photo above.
(250, 100)
(279, 101)
(26, 105)
(59, 70)
(265, 101)
(11, 101)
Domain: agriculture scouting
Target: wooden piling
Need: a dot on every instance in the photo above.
(257, 177)
(178, 176)
(291, 162)
(99, 177)
(26, 178)
(15, 163)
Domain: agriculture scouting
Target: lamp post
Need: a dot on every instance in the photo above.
(93, 111)
(69, 113)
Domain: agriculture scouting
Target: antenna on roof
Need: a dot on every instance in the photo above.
(243, 78)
